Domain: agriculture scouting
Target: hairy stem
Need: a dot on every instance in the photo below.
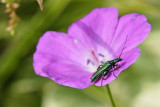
(110, 95)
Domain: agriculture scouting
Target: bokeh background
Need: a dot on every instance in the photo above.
(138, 86)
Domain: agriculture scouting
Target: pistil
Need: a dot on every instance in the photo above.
(94, 56)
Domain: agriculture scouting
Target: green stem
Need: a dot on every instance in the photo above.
(110, 95)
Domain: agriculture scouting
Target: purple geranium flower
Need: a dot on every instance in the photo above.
(71, 59)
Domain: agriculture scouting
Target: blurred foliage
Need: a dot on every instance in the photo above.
(20, 87)
(11, 7)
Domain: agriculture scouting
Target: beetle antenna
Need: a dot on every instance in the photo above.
(123, 46)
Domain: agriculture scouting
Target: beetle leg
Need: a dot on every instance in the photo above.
(116, 65)
(102, 80)
(113, 72)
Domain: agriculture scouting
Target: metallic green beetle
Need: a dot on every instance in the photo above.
(103, 70)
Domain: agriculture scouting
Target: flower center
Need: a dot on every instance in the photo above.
(95, 60)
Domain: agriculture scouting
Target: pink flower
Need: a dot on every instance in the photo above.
(71, 59)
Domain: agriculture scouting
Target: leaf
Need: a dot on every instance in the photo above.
(40, 2)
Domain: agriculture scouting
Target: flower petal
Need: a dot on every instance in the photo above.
(128, 58)
(54, 47)
(97, 28)
(67, 58)
(68, 74)
(133, 27)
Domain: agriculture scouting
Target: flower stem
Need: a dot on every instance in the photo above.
(110, 95)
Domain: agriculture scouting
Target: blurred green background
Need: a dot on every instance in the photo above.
(138, 86)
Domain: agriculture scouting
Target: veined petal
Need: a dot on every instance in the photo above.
(133, 27)
(128, 58)
(68, 74)
(96, 29)
(55, 47)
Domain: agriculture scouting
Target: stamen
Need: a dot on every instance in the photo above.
(101, 55)
(102, 62)
(88, 61)
(92, 63)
